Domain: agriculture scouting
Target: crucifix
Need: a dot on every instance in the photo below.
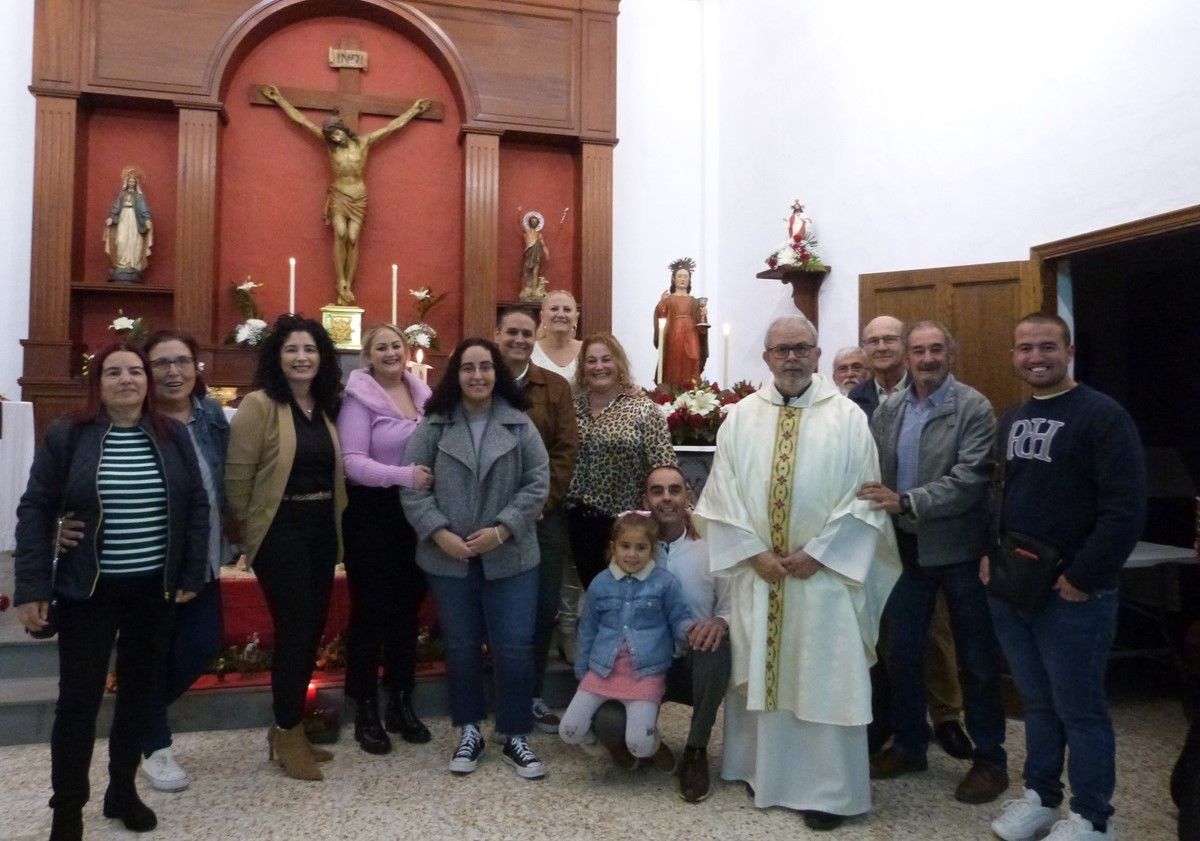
(346, 202)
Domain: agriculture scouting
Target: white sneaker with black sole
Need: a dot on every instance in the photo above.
(518, 754)
(470, 746)
(1024, 819)
(163, 772)
(544, 719)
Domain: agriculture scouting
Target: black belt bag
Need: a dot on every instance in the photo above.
(1024, 571)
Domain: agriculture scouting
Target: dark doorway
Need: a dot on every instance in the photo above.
(1137, 307)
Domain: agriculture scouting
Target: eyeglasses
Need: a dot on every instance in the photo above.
(470, 368)
(183, 363)
(882, 340)
(801, 350)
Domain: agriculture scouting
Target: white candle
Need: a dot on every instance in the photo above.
(662, 333)
(394, 268)
(419, 369)
(291, 285)
(725, 355)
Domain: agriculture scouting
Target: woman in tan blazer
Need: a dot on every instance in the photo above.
(284, 482)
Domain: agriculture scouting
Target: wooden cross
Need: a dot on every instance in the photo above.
(348, 100)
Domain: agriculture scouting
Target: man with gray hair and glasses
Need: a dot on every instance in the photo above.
(809, 569)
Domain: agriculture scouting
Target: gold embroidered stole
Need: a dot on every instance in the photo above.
(783, 466)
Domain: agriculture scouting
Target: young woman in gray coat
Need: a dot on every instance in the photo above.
(478, 543)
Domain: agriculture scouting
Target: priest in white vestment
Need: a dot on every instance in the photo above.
(810, 568)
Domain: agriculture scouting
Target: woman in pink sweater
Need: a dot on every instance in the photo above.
(382, 406)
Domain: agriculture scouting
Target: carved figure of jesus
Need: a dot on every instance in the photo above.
(346, 203)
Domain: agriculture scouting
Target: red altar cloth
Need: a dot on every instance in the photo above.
(244, 610)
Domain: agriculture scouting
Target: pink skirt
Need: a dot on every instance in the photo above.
(623, 684)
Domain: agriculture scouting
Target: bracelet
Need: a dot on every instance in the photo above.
(499, 539)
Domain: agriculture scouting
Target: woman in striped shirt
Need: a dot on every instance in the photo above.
(130, 474)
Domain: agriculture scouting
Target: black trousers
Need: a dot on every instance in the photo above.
(554, 546)
(386, 590)
(134, 612)
(591, 532)
(294, 566)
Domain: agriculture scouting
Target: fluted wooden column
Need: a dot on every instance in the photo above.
(196, 221)
(48, 349)
(595, 219)
(481, 151)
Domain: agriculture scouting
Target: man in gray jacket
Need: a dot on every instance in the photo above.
(935, 452)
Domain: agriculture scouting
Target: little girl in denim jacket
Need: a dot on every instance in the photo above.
(633, 614)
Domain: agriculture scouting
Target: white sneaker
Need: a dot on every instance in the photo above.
(1023, 819)
(163, 772)
(1078, 828)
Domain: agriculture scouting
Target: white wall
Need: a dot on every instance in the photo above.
(16, 103)
(659, 195)
(932, 133)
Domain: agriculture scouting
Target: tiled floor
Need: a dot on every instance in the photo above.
(410, 795)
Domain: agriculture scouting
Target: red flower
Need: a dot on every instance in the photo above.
(772, 261)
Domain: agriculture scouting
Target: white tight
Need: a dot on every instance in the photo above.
(641, 723)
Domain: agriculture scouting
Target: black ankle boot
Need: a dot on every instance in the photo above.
(123, 802)
(368, 732)
(401, 718)
(67, 825)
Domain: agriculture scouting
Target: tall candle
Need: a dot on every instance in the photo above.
(394, 268)
(725, 355)
(420, 368)
(291, 285)
(662, 333)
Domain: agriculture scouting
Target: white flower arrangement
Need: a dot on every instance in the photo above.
(250, 332)
(421, 335)
(132, 330)
(700, 401)
(253, 330)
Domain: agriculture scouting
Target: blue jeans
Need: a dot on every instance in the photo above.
(474, 610)
(195, 641)
(1058, 658)
(908, 613)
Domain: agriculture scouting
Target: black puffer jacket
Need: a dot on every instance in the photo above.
(63, 478)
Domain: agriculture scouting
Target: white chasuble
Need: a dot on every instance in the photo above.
(785, 478)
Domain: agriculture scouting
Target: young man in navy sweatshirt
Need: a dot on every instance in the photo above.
(1073, 478)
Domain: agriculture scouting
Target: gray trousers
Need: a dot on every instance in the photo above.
(698, 679)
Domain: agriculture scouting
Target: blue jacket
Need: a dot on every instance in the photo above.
(212, 439)
(648, 615)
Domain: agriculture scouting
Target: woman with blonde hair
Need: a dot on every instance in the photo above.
(384, 403)
(622, 437)
(557, 349)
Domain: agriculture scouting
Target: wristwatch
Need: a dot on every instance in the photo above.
(905, 504)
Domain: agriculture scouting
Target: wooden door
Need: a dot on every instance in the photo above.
(980, 304)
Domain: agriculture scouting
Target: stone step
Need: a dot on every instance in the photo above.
(28, 658)
(27, 704)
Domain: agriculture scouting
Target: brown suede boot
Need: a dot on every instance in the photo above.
(319, 754)
(293, 751)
